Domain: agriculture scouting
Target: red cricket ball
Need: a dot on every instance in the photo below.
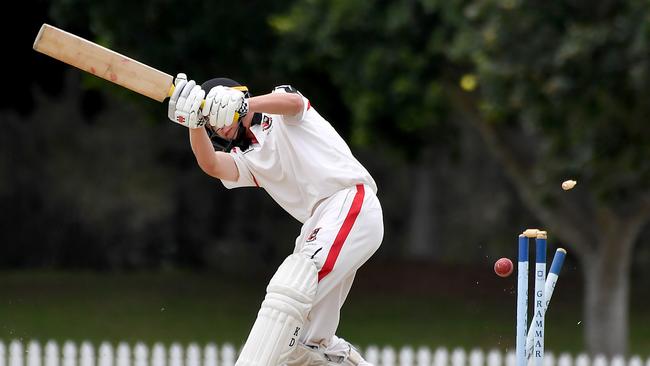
(503, 267)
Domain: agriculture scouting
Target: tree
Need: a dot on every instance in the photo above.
(556, 90)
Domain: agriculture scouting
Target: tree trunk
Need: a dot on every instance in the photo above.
(607, 288)
(422, 242)
(602, 238)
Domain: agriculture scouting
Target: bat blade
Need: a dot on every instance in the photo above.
(103, 62)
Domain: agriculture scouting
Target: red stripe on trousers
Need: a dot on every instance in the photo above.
(355, 208)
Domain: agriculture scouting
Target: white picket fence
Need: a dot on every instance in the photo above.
(17, 353)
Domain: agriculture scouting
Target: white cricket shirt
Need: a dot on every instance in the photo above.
(299, 160)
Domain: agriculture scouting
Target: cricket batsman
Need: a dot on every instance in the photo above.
(279, 142)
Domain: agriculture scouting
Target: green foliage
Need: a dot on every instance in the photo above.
(572, 76)
(569, 73)
(384, 59)
(202, 39)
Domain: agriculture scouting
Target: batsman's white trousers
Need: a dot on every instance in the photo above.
(343, 232)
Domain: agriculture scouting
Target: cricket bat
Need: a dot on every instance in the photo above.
(104, 63)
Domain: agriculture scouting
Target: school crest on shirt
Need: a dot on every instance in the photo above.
(313, 234)
(266, 123)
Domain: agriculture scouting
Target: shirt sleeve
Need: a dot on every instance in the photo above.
(296, 118)
(246, 178)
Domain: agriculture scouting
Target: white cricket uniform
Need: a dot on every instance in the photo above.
(307, 168)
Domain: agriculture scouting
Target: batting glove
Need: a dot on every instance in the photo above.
(179, 84)
(222, 103)
(185, 103)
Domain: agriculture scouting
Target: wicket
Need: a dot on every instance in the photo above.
(530, 342)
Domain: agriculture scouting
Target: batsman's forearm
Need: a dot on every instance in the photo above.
(216, 164)
(276, 103)
(202, 148)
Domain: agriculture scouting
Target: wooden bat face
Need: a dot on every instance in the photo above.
(104, 63)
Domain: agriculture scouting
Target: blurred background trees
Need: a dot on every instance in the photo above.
(469, 114)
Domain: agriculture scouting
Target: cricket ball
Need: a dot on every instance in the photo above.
(503, 267)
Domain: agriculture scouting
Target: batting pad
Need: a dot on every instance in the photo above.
(289, 297)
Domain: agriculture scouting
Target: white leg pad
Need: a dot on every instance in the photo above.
(289, 297)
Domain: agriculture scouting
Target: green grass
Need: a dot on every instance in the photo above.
(185, 307)
(139, 307)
